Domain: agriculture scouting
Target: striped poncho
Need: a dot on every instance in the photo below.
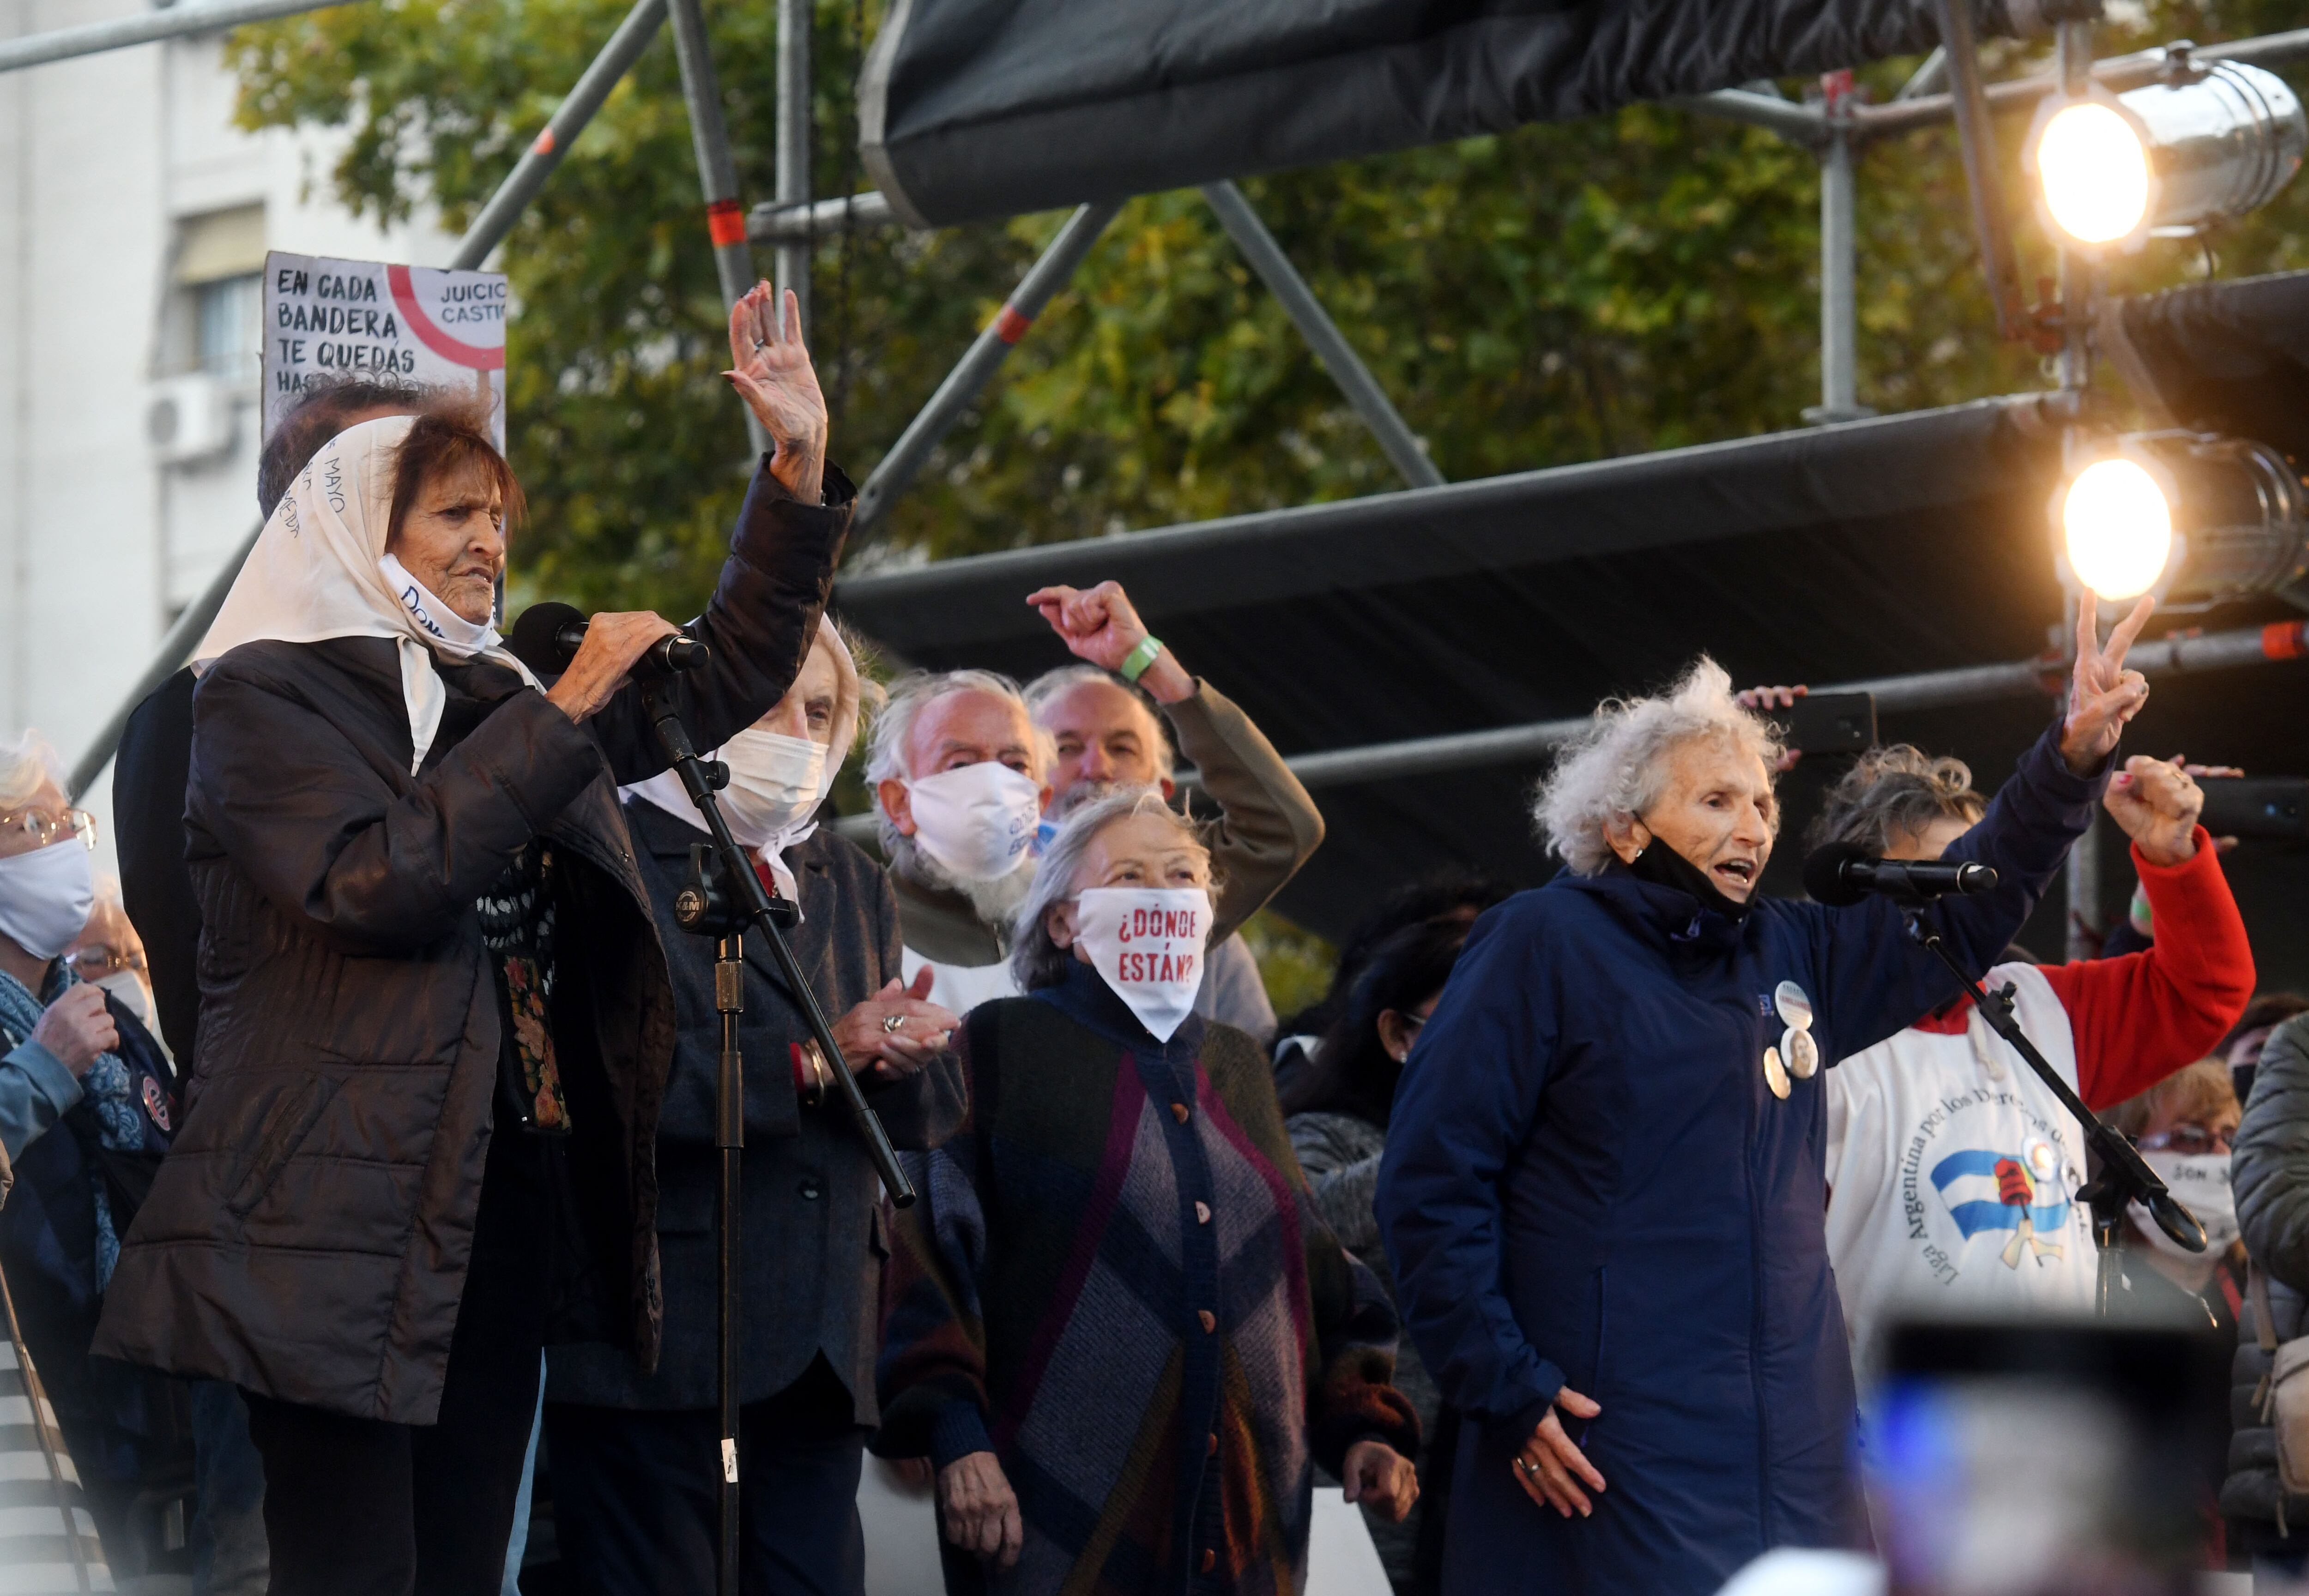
(1115, 1281)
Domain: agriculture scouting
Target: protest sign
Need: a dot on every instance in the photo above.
(325, 318)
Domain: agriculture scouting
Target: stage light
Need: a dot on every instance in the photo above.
(2207, 142)
(2117, 527)
(2195, 518)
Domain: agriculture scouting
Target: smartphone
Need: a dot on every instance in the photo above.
(2256, 805)
(1831, 722)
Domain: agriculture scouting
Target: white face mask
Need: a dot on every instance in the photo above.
(128, 989)
(1147, 943)
(776, 782)
(977, 820)
(455, 635)
(45, 896)
(2201, 1180)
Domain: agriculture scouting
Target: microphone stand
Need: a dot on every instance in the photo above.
(2124, 1175)
(721, 908)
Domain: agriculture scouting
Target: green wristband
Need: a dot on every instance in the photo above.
(1134, 663)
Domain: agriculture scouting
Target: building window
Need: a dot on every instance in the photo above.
(226, 314)
(219, 283)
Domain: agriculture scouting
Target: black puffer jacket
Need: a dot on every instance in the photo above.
(308, 1237)
(2269, 1173)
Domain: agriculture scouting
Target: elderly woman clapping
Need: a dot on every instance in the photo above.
(1602, 1189)
(435, 1018)
(1116, 1322)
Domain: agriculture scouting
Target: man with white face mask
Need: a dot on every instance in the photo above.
(86, 1108)
(964, 769)
(1099, 715)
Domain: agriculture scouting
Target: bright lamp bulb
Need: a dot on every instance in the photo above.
(2095, 171)
(2119, 528)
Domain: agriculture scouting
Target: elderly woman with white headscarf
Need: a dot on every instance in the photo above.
(435, 1018)
(1602, 1189)
(633, 1450)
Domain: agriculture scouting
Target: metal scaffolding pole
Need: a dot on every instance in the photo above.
(971, 372)
(147, 27)
(717, 172)
(545, 152)
(794, 143)
(1840, 315)
(1315, 325)
(1932, 689)
(1983, 178)
(780, 224)
(489, 226)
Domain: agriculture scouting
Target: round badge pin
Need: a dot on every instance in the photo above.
(1775, 1074)
(1795, 1008)
(1801, 1053)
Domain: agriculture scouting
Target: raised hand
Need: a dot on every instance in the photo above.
(1763, 701)
(1102, 625)
(771, 370)
(2157, 802)
(2103, 695)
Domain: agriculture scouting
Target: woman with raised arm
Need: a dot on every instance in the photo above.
(435, 1019)
(1602, 1188)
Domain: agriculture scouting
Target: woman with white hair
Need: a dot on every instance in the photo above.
(634, 1450)
(1116, 1322)
(1602, 1189)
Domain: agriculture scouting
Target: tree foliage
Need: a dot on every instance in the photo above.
(1552, 294)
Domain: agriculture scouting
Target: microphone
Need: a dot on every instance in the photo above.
(547, 636)
(1842, 874)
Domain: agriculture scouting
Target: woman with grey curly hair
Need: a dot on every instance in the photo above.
(1602, 1189)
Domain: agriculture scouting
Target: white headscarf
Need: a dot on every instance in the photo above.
(666, 791)
(318, 572)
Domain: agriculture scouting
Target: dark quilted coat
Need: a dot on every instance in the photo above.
(307, 1239)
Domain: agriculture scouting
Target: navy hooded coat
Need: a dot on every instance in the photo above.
(1586, 1182)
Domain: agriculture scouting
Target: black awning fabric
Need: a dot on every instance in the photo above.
(1869, 548)
(2222, 356)
(977, 108)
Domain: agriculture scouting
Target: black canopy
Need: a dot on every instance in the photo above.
(975, 108)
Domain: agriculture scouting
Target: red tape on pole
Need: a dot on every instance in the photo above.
(725, 224)
(1010, 325)
(2284, 640)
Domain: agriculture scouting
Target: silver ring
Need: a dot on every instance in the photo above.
(761, 343)
(890, 1024)
(1527, 1465)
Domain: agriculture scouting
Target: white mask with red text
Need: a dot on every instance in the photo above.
(1147, 943)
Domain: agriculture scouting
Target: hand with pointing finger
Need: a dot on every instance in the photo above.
(2103, 695)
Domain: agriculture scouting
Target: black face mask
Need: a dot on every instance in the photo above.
(1663, 865)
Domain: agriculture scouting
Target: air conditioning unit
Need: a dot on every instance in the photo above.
(188, 418)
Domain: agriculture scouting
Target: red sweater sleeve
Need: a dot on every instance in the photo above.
(2138, 1017)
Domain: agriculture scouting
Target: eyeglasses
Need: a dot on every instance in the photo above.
(2187, 1140)
(94, 963)
(40, 827)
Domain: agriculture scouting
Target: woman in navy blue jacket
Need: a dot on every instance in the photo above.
(1602, 1193)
